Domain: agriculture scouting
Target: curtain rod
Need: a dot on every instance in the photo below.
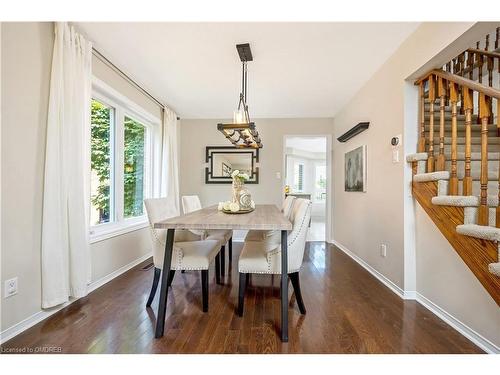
(105, 60)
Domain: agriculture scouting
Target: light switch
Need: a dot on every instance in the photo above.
(395, 155)
(278, 175)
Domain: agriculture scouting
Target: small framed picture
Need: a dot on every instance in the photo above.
(355, 170)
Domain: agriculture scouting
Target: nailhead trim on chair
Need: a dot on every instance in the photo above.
(289, 244)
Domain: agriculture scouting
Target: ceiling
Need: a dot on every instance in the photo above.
(310, 144)
(299, 69)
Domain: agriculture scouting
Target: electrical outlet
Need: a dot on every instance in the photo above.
(383, 250)
(10, 287)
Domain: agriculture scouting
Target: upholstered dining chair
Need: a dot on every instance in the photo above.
(190, 252)
(271, 237)
(192, 203)
(256, 257)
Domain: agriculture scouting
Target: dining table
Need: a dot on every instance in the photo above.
(264, 217)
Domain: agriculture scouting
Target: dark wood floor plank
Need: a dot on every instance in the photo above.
(348, 311)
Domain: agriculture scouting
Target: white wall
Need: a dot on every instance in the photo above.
(382, 212)
(26, 62)
(197, 134)
(444, 279)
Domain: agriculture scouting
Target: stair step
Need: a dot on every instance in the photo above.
(447, 116)
(494, 268)
(475, 156)
(484, 232)
(475, 165)
(461, 141)
(475, 132)
(463, 200)
(432, 176)
(460, 126)
(474, 148)
(419, 156)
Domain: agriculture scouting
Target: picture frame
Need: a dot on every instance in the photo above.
(355, 170)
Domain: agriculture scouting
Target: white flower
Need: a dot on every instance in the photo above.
(235, 173)
(244, 176)
(234, 207)
(226, 205)
(252, 204)
(221, 206)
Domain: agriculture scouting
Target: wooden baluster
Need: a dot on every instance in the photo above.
(497, 39)
(469, 106)
(432, 98)
(487, 45)
(421, 140)
(448, 67)
(489, 65)
(484, 113)
(480, 62)
(461, 60)
(470, 64)
(453, 177)
(440, 164)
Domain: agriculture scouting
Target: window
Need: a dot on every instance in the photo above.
(320, 183)
(121, 164)
(102, 119)
(298, 177)
(134, 164)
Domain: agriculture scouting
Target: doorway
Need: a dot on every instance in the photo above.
(307, 164)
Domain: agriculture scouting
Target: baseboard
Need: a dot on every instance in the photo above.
(36, 318)
(380, 277)
(449, 319)
(464, 329)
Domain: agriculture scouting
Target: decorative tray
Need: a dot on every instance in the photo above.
(238, 212)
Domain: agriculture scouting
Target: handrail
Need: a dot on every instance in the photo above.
(486, 90)
(485, 53)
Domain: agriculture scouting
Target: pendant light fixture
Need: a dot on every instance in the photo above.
(242, 132)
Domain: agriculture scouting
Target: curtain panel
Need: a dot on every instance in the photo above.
(66, 200)
(169, 171)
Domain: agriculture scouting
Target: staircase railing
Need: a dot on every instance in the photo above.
(459, 91)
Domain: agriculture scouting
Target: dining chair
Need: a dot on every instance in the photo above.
(190, 252)
(192, 203)
(256, 257)
(272, 237)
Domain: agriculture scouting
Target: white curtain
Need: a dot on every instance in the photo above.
(66, 200)
(169, 171)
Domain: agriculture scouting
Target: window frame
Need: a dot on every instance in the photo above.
(122, 106)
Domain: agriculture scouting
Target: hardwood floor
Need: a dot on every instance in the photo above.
(348, 311)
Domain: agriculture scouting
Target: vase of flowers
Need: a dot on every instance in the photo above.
(241, 198)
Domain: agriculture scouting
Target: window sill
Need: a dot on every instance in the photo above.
(106, 231)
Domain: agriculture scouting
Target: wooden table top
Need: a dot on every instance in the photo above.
(264, 217)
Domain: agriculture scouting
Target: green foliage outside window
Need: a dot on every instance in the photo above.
(100, 158)
(134, 147)
(133, 168)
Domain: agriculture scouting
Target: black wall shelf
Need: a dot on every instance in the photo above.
(362, 126)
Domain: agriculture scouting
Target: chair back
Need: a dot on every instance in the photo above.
(300, 216)
(287, 205)
(159, 209)
(192, 203)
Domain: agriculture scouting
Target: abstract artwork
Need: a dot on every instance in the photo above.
(355, 170)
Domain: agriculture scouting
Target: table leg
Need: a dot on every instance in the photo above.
(284, 286)
(162, 305)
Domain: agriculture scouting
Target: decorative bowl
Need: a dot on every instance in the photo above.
(238, 212)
